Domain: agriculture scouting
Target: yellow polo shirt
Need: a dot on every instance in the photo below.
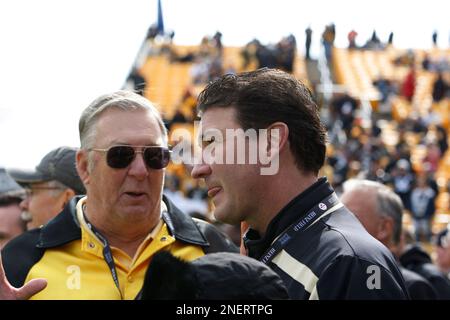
(77, 270)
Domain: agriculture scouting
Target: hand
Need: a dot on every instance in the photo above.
(8, 292)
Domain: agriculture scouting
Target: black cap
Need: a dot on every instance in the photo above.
(214, 276)
(59, 165)
(8, 187)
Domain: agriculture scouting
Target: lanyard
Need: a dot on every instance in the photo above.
(107, 254)
(326, 206)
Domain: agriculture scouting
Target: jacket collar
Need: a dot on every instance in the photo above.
(64, 228)
(182, 226)
(296, 208)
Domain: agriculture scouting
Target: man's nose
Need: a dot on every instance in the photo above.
(24, 203)
(201, 170)
(138, 168)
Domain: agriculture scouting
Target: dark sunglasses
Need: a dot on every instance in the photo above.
(119, 157)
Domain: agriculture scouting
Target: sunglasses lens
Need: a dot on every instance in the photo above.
(120, 157)
(157, 158)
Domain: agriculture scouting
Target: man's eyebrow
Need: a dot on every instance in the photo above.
(212, 130)
(205, 137)
(120, 143)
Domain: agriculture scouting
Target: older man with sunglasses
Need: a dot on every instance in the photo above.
(100, 245)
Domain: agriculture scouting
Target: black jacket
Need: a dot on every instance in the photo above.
(23, 252)
(418, 287)
(335, 258)
(417, 260)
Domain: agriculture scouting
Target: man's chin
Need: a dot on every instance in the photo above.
(135, 207)
(136, 213)
(222, 214)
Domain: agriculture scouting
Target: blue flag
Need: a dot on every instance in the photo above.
(160, 22)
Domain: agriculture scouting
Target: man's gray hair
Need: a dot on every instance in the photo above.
(59, 187)
(388, 203)
(123, 100)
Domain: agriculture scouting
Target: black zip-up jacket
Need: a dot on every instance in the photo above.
(335, 258)
(418, 287)
(414, 258)
(23, 252)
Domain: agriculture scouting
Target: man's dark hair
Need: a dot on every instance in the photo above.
(265, 96)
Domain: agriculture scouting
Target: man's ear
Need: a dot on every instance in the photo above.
(386, 230)
(83, 166)
(67, 195)
(277, 138)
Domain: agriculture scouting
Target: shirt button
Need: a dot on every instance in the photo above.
(91, 245)
(130, 279)
(163, 239)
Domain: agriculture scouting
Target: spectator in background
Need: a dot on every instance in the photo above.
(285, 53)
(343, 107)
(352, 39)
(406, 59)
(440, 88)
(416, 259)
(434, 38)
(374, 43)
(11, 223)
(432, 157)
(385, 87)
(426, 63)
(152, 32)
(390, 41)
(403, 180)
(308, 34)
(328, 37)
(248, 53)
(422, 208)
(136, 81)
(443, 251)
(442, 138)
(173, 191)
(217, 42)
(380, 211)
(178, 117)
(50, 186)
(409, 84)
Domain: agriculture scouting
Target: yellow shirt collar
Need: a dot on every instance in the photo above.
(91, 243)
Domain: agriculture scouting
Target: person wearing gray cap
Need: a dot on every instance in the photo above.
(50, 186)
(11, 194)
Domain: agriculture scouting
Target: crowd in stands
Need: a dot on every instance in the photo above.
(280, 55)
